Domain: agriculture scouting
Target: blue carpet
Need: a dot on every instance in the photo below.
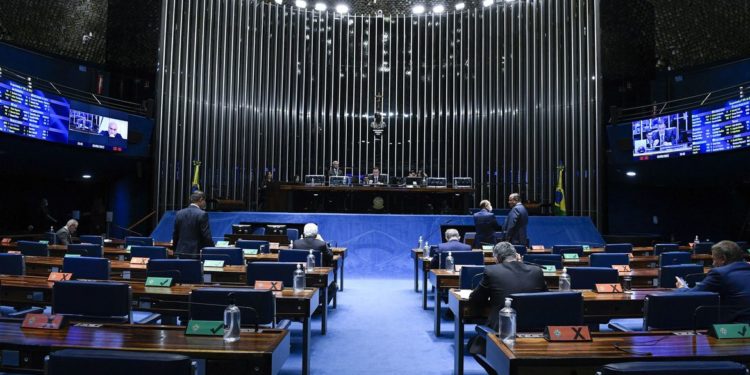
(379, 327)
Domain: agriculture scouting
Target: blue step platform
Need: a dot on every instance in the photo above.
(379, 245)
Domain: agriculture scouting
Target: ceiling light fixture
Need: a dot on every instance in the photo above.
(437, 9)
(321, 7)
(418, 9)
(460, 6)
(342, 8)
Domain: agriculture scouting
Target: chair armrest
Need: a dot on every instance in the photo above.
(484, 331)
(283, 324)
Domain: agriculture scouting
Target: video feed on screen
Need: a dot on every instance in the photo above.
(663, 135)
(90, 123)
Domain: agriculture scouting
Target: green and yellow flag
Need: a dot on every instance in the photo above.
(560, 193)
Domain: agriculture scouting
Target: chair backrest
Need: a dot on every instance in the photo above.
(292, 234)
(87, 267)
(538, 310)
(469, 236)
(256, 306)
(234, 255)
(191, 270)
(150, 252)
(618, 248)
(259, 231)
(87, 250)
(431, 251)
(742, 244)
(140, 241)
(587, 277)
(470, 276)
(676, 310)
(703, 247)
(473, 258)
(95, 240)
(608, 259)
(568, 249)
(51, 237)
(92, 300)
(673, 368)
(31, 248)
(667, 273)
(665, 247)
(261, 246)
(12, 264)
(300, 256)
(544, 259)
(271, 271)
(521, 249)
(674, 257)
(694, 278)
(94, 362)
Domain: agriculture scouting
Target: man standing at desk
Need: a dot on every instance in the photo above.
(335, 171)
(191, 229)
(517, 221)
(311, 242)
(485, 225)
(64, 236)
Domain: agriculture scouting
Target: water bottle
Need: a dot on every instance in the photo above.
(696, 240)
(508, 323)
(310, 261)
(53, 236)
(420, 243)
(299, 279)
(426, 250)
(564, 285)
(231, 323)
(449, 265)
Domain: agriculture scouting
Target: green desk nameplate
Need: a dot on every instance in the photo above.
(586, 248)
(730, 331)
(44, 242)
(213, 263)
(570, 256)
(129, 248)
(163, 282)
(250, 251)
(549, 268)
(222, 243)
(487, 247)
(205, 328)
(72, 255)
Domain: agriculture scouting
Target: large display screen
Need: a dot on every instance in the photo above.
(700, 131)
(32, 113)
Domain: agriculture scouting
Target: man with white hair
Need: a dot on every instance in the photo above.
(64, 236)
(452, 243)
(311, 242)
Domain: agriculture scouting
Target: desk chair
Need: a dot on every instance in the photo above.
(87, 250)
(431, 251)
(271, 271)
(469, 236)
(31, 248)
(544, 259)
(694, 278)
(182, 271)
(292, 234)
(568, 249)
(51, 237)
(521, 249)
(742, 244)
(671, 258)
(618, 248)
(12, 264)
(587, 277)
(667, 273)
(234, 255)
(92, 300)
(87, 268)
(665, 247)
(95, 240)
(703, 247)
(300, 256)
(259, 231)
(674, 368)
(257, 307)
(535, 311)
(140, 241)
(673, 311)
(113, 362)
(262, 246)
(150, 252)
(470, 258)
(608, 259)
(470, 276)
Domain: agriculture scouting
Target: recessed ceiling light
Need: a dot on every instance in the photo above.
(321, 7)
(630, 174)
(418, 9)
(278, 1)
(438, 9)
(487, 3)
(86, 176)
(301, 3)
(460, 6)
(342, 8)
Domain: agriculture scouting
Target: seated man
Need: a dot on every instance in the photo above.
(376, 178)
(510, 275)
(730, 277)
(663, 136)
(310, 242)
(452, 243)
(64, 236)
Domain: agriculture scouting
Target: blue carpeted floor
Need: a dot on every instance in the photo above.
(379, 327)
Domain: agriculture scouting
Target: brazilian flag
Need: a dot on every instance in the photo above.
(196, 176)
(560, 193)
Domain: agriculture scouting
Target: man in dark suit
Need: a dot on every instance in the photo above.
(730, 277)
(191, 229)
(485, 225)
(64, 236)
(452, 243)
(376, 177)
(663, 136)
(335, 171)
(312, 241)
(500, 280)
(517, 221)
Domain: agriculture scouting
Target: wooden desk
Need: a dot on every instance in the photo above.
(258, 353)
(112, 253)
(424, 264)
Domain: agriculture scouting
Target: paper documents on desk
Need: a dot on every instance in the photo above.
(464, 293)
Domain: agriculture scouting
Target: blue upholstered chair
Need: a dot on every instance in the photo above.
(674, 311)
(470, 276)
(694, 278)
(667, 274)
(257, 307)
(431, 251)
(234, 255)
(608, 259)
(12, 264)
(587, 277)
(94, 240)
(703, 247)
(618, 248)
(86, 250)
(300, 256)
(92, 300)
(568, 249)
(292, 234)
(87, 267)
(469, 236)
(538, 310)
(471, 258)
(31, 248)
(182, 271)
(140, 241)
(94, 362)
(262, 246)
(520, 249)
(674, 368)
(271, 271)
(259, 231)
(150, 252)
(544, 259)
(671, 258)
(665, 247)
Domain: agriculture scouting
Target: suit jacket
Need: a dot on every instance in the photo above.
(191, 231)
(315, 244)
(485, 225)
(515, 225)
(335, 172)
(670, 135)
(499, 281)
(63, 236)
(444, 248)
(380, 180)
(732, 282)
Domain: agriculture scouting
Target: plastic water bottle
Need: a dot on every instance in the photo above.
(231, 323)
(310, 261)
(426, 250)
(53, 236)
(508, 323)
(449, 265)
(696, 240)
(299, 279)
(564, 285)
(420, 243)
